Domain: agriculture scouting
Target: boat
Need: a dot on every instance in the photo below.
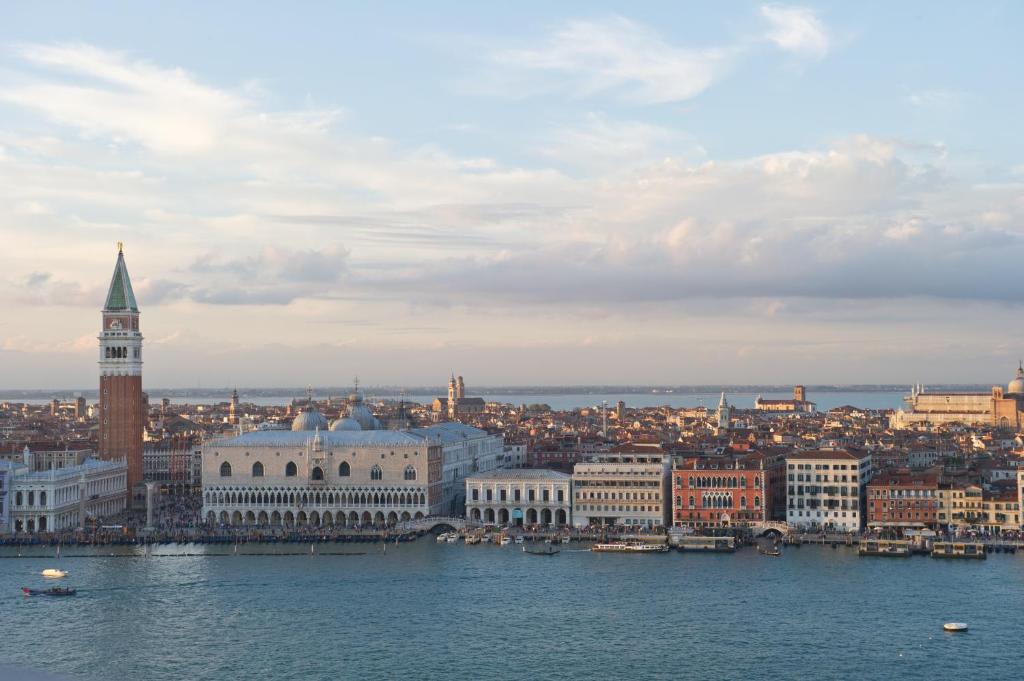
(955, 627)
(452, 538)
(548, 550)
(54, 573)
(472, 539)
(630, 547)
(504, 540)
(565, 539)
(949, 549)
(519, 539)
(773, 551)
(892, 548)
(52, 591)
(442, 538)
(707, 544)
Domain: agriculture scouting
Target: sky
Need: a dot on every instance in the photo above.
(523, 193)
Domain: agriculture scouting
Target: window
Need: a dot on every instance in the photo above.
(516, 495)
(476, 495)
(561, 495)
(291, 470)
(344, 470)
(42, 498)
(490, 495)
(757, 502)
(225, 470)
(318, 473)
(410, 473)
(257, 470)
(545, 495)
(376, 473)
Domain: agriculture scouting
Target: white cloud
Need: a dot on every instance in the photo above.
(796, 29)
(622, 58)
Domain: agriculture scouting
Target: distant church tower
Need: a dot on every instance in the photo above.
(233, 408)
(723, 414)
(452, 394)
(122, 415)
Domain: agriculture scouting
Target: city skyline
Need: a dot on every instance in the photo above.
(546, 196)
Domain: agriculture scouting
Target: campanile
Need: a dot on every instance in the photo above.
(121, 401)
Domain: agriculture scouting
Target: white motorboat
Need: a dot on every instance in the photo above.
(955, 627)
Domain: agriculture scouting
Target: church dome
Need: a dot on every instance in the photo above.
(309, 419)
(362, 414)
(346, 423)
(1016, 386)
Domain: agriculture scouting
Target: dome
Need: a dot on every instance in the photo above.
(346, 423)
(1016, 386)
(309, 419)
(362, 414)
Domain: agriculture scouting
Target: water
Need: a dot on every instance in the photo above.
(429, 611)
(879, 399)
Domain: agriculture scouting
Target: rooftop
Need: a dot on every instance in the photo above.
(520, 474)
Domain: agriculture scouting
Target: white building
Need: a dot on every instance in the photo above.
(342, 476)
(826, 489)
(521, 496)
(627, 486)
(62, 498)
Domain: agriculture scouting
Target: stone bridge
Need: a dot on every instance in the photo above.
(432, 522)
(769, 527)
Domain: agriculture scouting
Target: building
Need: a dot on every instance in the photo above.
(629, 485)
(61, 498)
(903, 499)
(720, 491)
(825, 489)
(723, 415)
(1000, 408)
(342, 476)
(799, 403)
(175, 469)
(967, 505)
(457, 406)
(524, 496)
(122, 404)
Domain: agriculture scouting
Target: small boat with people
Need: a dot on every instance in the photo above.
(773, 551)
(52, 591)
(54, 573)
(629, 547)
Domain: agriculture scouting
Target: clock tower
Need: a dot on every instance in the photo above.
(122, 411)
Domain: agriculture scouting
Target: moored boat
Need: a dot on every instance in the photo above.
(949, 549)
(890, 548)
(54, 573)
(52, 591)
(629, 547)
(548, 550)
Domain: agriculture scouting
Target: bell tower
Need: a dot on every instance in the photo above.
(122, 414)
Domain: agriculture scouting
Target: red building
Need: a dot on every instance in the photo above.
(720, 491)
(903, 498)
(122, 405)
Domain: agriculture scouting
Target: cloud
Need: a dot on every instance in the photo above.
(620, 57)
(797, 30)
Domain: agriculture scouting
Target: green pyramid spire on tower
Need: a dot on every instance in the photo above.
(120, 296)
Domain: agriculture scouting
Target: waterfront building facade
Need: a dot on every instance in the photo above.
(720, 491)
(342, 477)
(523, 496)
(122, 413)
(629, 485)
(62, 498)
(903, 499)
(969, 506)
(826, 489)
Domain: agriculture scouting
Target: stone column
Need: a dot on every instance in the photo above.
(150, 487)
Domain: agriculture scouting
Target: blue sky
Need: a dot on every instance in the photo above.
(529, 193)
